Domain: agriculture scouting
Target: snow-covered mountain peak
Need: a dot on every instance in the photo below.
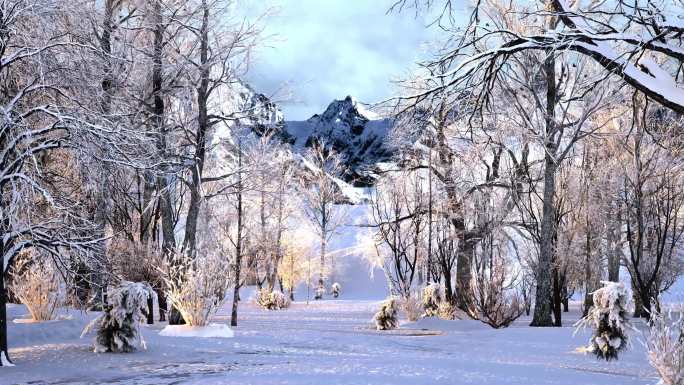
(347, 112)
(360, 136)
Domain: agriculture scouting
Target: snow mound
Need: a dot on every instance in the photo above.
(434, 323)
(208, 331)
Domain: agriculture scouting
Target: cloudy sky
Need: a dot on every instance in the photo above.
(320, 50)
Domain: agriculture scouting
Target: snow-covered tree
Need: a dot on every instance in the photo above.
(321, 195)
(118, 328)
(608, 319)
(47, 125)
(665, 344)
(397, 217)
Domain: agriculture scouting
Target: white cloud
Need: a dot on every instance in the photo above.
(327, 49)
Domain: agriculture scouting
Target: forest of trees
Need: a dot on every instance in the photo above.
(538, 153)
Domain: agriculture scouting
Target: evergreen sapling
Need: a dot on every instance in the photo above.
(608, 319)
(335, 288)
(386, 318)
(118, 328)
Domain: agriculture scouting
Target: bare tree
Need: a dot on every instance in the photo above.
(321, 194)
(397, 217)
(653, 201)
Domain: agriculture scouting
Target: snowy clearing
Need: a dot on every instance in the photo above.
(327, 342)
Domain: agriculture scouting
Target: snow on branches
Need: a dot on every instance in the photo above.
(118, 328)
(38, 285)
(432, 297)
(197, 287)
(665, 346)
(272, 300)
(609, 321)
(386, 317)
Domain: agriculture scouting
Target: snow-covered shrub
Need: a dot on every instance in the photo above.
(197, 288)
(118, 328)
(279, 300)
(274, 300)
(496, 296)
(413, 307)
(665, 345)
(446, 311)
(386, 318)
(38, 285)
(335, 289)
(608, 318)
(432, 297)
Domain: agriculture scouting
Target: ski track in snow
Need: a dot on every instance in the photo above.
(327, 342)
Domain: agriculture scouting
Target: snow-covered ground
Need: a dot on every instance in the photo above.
(327, 342)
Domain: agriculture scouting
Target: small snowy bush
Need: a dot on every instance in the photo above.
(336, 288)
(197, 288)
(320, 291)
(432, 297)
(446, 311)
(274, 300)
(118, 328)
(608, 319)
(412, 306)
(386, 318)
(38, 285)
(665, 345)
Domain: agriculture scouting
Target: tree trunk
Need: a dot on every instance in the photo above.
(3, 312)
(557, 298)
(464, 260)
(150, 310)
(324, 227)
(161, 297)
(542, 308)
(238, 243)
(164, 185)
(613, 245)
(448, 292)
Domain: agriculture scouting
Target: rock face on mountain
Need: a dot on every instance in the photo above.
(257, 111)
(360, 137)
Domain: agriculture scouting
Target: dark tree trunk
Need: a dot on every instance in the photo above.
(542, 308)
(164, 185)
(150, 310)
(464, 261)
(557, 298)
(3, 312)
(161, 298)
(448, 292)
